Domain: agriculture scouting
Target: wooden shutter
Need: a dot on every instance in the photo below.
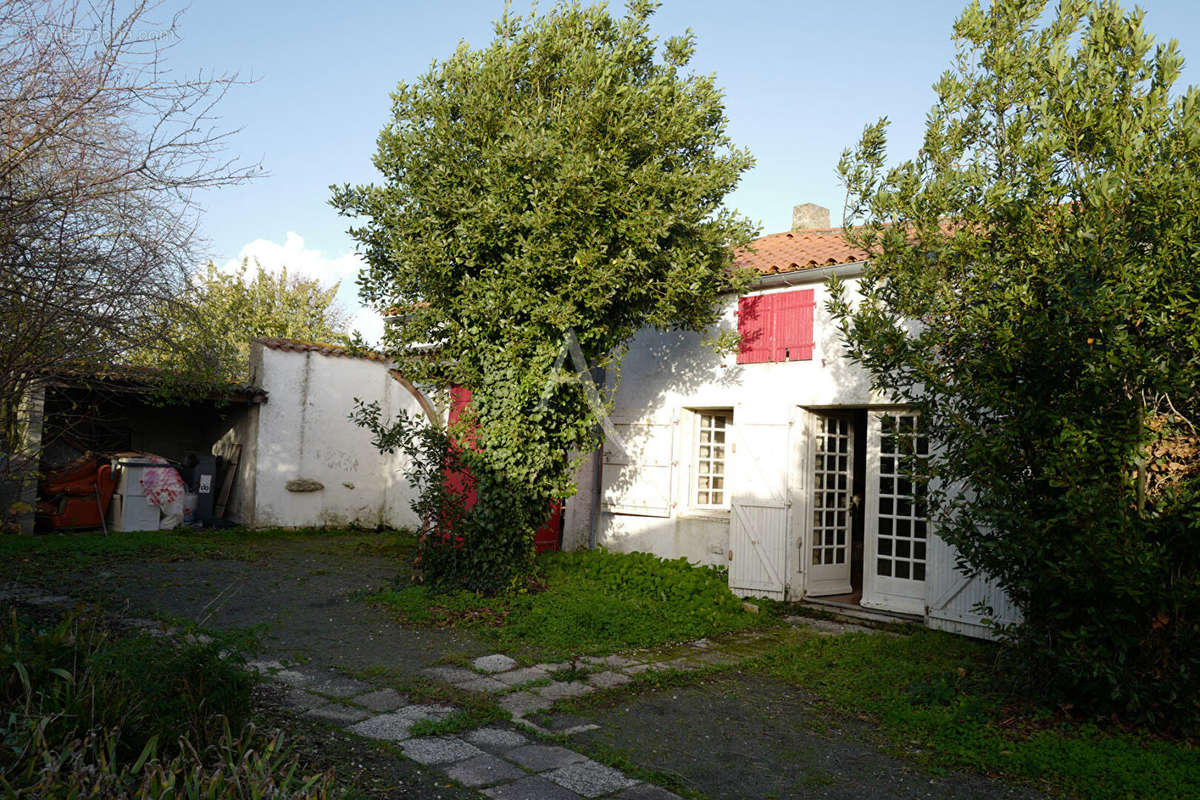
(636, 473)
(756, 324)
(794, 326)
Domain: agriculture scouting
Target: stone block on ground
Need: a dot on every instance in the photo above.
(450, 674)
(495, 739)
(525, 675)
(482, 683)
(336, 712)
(290, 677)
(620, 661)
(484, 770)
(394, 726)
(521, 703)
(646, 791)
(381, 700)
(542, 757)
(590, 778)
(430, 750)
(497, 662)
(607, 680)
(338, 685)
(561, 689)
(300, 699)
(533, 787)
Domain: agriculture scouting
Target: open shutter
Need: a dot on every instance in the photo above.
(636, 474)
(794, 325)
(758, 525)
(756, 325)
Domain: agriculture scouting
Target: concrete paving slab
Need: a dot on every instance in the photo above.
(590, 778)
(381, 700)
(386, 727)
(484, 770)
(646, 791)
(483, 683)
(620, 661)
(636, 669)
(495, 740)
(337, 685)
(302, 700)
(450, 674)
(525, 675)
(497, 662)
(336, 712)
(552, 667)
(561, 689)
(521, 703)
(532, 788)
(542, 757)
(430, 750)
(290, 677)
(609, 679)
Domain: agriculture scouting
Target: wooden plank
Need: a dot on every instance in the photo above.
(227, 484)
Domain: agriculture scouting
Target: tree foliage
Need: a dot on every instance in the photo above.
(211, 324)
(102, 150)
(1034, 291)
(566, 179)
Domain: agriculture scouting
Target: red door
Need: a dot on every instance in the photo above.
(547, 537)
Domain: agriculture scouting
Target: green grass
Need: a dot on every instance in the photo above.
(936, 694)
(50, 555)
(594, 602)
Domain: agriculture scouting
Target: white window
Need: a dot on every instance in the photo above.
(710, 465)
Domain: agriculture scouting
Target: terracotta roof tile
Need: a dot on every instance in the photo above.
(798, 250)
(323, 348)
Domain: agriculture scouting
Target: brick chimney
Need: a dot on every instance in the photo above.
(808, 216)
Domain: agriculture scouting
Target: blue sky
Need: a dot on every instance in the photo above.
(801, 80)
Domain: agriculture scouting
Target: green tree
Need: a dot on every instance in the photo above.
(210, 325)
(1034, 291)
(566, 179)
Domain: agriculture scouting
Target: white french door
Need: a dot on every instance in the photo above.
(897, 528)
(832, 512)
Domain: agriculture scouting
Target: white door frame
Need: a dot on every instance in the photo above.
(887, 593)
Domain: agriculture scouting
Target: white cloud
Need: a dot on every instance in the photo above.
(310, 263)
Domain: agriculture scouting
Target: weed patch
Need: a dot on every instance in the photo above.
(938, 694)
(592, 602)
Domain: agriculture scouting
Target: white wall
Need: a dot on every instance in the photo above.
(665, 374)
(304, 432)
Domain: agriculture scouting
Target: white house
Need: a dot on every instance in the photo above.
(778, 461)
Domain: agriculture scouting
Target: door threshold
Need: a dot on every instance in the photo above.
(855, 611)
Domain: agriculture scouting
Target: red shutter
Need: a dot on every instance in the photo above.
(794, 328)
(756, 324)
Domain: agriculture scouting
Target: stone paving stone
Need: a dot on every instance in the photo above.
(483, 770)
(450, 674)
(590, 779)
(495, 739)
(551, 667)
(338, 685)
(541, 757)
(439, 750)
(636, 669)
(521, 703)
(595, 661)
(701, 644)
(290, 677)
(561, 689)
(381, 700)
(482, 683)
(298, 698)
(513, 677)
(336, 712)
(395, 726)
(258, 665)
(645, 791)
(607, 680)
(498, 662)
(532, 788)
(620, 661)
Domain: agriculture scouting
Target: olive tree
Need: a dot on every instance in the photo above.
(564, 181)
(1033, 289)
